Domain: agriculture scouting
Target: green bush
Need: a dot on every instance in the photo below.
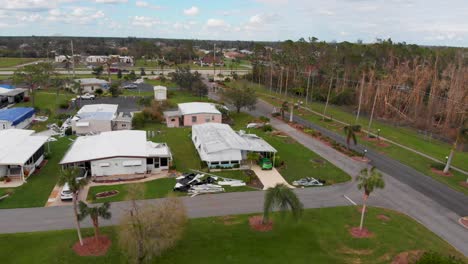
(138, 120)
(68, 131)
(438, 166)
(64, 105)
(62, 116)
(276, 114)
(433, 257)
(264, 119)
(99, 91)
(267, 128)
(59, 123)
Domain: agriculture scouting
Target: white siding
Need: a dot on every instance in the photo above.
(5, 124)
(3, 170)
(114, 166)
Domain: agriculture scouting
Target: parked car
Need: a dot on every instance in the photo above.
(86, 96)
(265, 164)
(66, 194)
(130, 86)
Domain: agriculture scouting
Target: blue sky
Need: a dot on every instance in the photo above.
(427, 22)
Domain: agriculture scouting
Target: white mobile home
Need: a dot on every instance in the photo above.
(90, 85)
(220, 146)
(118, 153)
(16, 117)
(94, 118)
(20, 152)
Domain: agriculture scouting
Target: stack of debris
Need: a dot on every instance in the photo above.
(198, 183)
(60, 130)
(309, 181)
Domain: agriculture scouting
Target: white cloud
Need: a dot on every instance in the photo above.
(30, 18)
(145, 21)
(144, 4)
(75, 15)
(28, 5)
(326, 12)
(193, 11)
(110, 1)
(215, 23)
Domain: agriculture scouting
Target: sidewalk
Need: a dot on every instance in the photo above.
(270, 178)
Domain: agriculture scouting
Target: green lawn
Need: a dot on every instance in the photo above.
(402, 135)
(167, 83)
(179, 96)
(10, 62)
(47, 101)
(299, 161)
(36, 191)
(321, 236)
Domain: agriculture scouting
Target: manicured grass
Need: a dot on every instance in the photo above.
(10, 62)
(36, 191)
(179, 96)
(402, 135)
(299, 161)
(153, 189)
(320, 236)
(167, 83)
(47, 101)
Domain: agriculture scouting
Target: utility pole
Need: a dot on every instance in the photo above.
(307, 90)
(281, 82)
(372, 112)
(360, 99)
(328, 98)
(73, 58)
(271, 74)
(291, 113)
(214, 61)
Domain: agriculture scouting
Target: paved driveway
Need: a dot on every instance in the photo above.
(269, 178)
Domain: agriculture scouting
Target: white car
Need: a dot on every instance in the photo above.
(86, 96)
(66, 194)
(130, 86)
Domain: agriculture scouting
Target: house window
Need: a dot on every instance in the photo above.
(4, 126)
(235, 162)
(124, 125)
(212, 118)
(164, 162)
(149, 161)
(224, 162)
(194, 119)
(215, 163)
(207, 119)
(173, 120)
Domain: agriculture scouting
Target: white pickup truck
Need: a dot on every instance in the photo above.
(86, 96)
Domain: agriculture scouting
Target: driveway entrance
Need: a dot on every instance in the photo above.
(269, 178)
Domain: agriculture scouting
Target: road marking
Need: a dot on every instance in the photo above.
(351, 201)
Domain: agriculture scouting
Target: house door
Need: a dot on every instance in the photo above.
(163, 162)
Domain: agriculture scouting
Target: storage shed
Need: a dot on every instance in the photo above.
(16, 117)
(160, 93)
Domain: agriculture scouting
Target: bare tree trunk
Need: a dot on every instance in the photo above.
(360, 99)
(287, 80)
(449, 160)
(77, 222)
(363, 212)
(328, 98)
(372, 111)
(96, 230)
(307, 90)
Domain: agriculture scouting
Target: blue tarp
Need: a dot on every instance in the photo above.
(7, 86)
(16, 115)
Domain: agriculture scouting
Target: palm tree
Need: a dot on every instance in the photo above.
(369, 179)
(252, 157)
(281, 197)
(462, 137)
(68, 176)
(94, 213)
(350, 132)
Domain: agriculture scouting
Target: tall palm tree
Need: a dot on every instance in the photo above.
(252, 157)
(462, 137)
(94, 213)
(69, 176)
(281, 197)
(369, 179)
(350, 132)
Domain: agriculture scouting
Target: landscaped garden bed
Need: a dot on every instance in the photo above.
(106, 194)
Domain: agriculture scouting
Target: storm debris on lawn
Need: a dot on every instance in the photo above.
(309, 181)
(198, 183)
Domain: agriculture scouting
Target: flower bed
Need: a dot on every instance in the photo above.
(120, 180)
(107, 194)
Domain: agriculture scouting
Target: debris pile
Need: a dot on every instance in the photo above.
(60, 130)
(198, 183)
(309, 181)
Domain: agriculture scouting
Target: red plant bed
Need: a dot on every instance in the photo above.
(360, 159)
(91, 247)
(408, 257)
(382, 144)
(107, 194)
(464, 184)
(441, 173)
(360, 233)
(383, 217)
(256, 223)
(464, 221)
(120, 180)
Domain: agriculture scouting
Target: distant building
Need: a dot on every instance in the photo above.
(189, 114)
(209, 60)
(118, 153)
(160, 93)
(90, 85)
(96, 59)
(11, 93)
(233, 55)
(97, 118)
(16, 117)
